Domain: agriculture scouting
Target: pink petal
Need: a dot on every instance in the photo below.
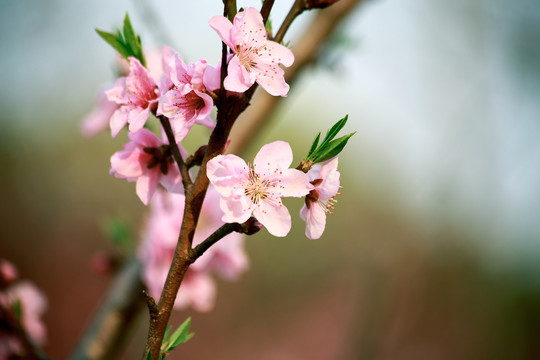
(118, 120)
(276, 155)
(238, 78)
(116, 93)
(315, 218)
(275, 217)
(329, 187)
(197, 75)
(212, 78)
(281, 53)
(328, 172)
(295, 183)
(226, 171)
(173, 180)
(251, 23)
(137, 118)
(235, 209)
(273, 81)
(223, 27)
(127, 164)
(145, 138)
(147, 184)
(99, 118)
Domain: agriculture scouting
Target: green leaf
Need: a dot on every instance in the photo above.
(133, 41)
(334, 130)
(181, 335)
(166, 335)
(314, 145)
(149, 355)
(119, 231)
(115, 41)
(17, 309)
(331, 149)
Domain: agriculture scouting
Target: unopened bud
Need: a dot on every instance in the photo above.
(250, 227)
(197, 158)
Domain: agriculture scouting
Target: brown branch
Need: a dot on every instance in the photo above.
(305, 50)
(297, 8)
(265, 10)
(112, 324)
(186, 180)
(248, 125)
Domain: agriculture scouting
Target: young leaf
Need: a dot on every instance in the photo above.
(181, 335)
(332, 149)
(314, 145)
(133, 41)
(331, 134)
(115, 41)
(17, 309)
(166, 335)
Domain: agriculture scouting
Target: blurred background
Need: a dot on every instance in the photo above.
(434, 248)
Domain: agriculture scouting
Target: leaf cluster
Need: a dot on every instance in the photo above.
(126, 42)
(177, 338)
(329, 147)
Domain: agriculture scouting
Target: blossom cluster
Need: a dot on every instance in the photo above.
(26, 303)
(167, 88)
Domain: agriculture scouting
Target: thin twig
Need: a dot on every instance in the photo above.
(297, 8)
(186, 180)
(217, 235)
(116, 318)
(305, 52)
(265, 10)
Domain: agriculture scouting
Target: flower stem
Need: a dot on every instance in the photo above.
(186, 180)
(297, 8)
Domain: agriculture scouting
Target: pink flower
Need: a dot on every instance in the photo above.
(187, 102)
(98, 120)
(320, 200)
(256, 59)
(227, 257)
(32, 305)
(257, 188)
(149, 161)
(137, 95)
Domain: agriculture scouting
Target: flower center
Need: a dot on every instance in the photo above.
(256, 188)
(161, 156)
(248, 56)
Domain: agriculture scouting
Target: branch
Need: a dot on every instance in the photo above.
(117, 315)
(248, 125)
(297, 8)
(305, 50)
(250, 227)
(186, 180)
(265, 10)
(13, 326)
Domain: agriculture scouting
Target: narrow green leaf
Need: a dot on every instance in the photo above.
(166, 336)
(17, 309)
(332, 149)
(334, 130)
(181, 335)
(133, 41)
(129, 34)
(115, 41)
(314, 145)
(149, 355)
